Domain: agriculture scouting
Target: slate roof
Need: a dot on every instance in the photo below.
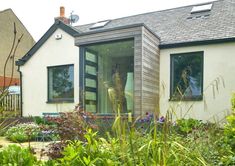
(178, 25)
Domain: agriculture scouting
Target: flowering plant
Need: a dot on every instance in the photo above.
(23, 132)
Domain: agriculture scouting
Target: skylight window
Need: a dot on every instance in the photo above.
(100, 24)
(201, 8)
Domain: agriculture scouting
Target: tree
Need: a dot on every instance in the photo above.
(10, 58)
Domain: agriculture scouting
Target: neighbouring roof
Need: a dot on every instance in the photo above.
(179, 25)
(9, 81)
(8, 20)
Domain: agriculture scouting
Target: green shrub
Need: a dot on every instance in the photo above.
(186, 126)
(15, 155)
(38, 120)
(23, 132)
(69, 126)
(72, 125)
(95, 151)
(42, 121)
(229, 130)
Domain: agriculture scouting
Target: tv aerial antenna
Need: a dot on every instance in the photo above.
(73, 18)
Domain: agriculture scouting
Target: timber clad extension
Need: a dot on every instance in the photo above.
(146, 61)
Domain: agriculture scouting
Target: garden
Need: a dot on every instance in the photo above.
(80, 138)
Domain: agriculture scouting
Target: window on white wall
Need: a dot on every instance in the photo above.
(186, 76)
(61, 83)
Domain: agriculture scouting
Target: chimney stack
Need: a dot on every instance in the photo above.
(62, 16)
(62, 11)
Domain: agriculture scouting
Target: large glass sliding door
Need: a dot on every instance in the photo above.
(108, 77)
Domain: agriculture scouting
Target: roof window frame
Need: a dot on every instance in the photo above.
(202, 8)
(100, 24)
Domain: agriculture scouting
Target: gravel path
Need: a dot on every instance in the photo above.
(38, 146)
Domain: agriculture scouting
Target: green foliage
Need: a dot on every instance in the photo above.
(69, 126)
(233, 102)
(42, 121)
(187, 125)
(72, 125)
(22, 132)
(15, 155)
(130, 148)
(208, 140)
(95, 151)
(229, 130)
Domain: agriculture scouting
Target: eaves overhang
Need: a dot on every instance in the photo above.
(58, 24)
(196, 43)
(117, 28)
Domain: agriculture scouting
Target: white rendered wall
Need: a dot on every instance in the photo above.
(219, 62)
(34, 82)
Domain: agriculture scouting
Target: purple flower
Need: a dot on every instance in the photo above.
(161, 119)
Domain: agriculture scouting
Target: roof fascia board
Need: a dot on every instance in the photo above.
(196, 43)
(43, 39)
(117, 28)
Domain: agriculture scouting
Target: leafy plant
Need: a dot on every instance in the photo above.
(22, 132)
(229, 129)
(69, 126)
(42, 121)
(72, 125)
(186, 126)
(95, 151)
(55, 150)
(15, 155)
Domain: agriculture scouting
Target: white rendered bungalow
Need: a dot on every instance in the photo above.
(179, 60)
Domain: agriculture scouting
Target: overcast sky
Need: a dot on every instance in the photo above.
(38, 15)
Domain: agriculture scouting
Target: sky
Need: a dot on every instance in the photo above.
(38, 15)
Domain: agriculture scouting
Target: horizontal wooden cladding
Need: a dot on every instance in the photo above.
(108, 36)
(151, 80)
(153, 43)
(150, 71)
(150, 54)
(138, 63)
(150, 100)
(153, 63)
(150, 47)
(137, 74)
(150, 37)
(154, 75)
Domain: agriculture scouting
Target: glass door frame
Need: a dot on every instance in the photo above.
(83, 75)
(82, 51)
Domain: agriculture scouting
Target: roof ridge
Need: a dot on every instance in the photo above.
(1, 11)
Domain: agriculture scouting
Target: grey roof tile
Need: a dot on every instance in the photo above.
(179, 25)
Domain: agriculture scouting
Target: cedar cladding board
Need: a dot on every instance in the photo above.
(146, 62)
(7, 19)
(150, 71)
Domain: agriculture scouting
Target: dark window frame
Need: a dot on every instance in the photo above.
(48, 82)
(82, 49)
(193, 98)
